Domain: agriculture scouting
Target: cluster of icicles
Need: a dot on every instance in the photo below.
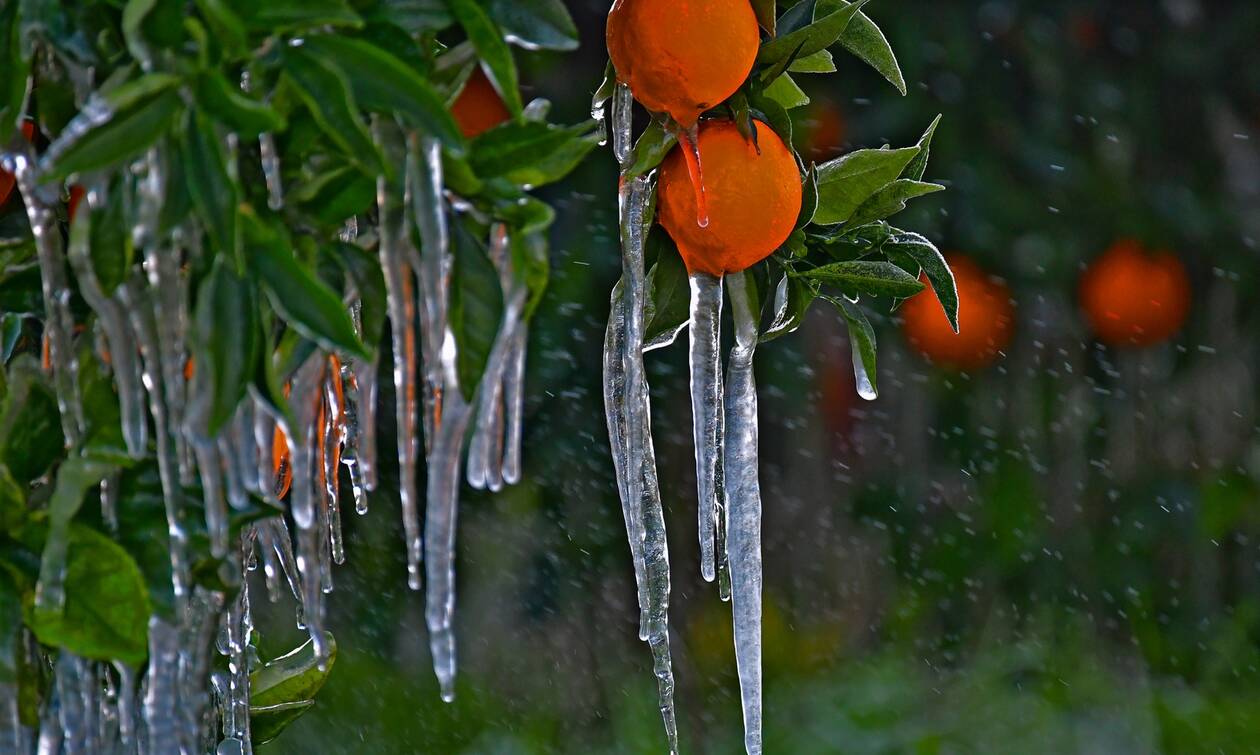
(176, 704)
(724, 415)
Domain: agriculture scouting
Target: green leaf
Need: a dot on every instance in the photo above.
(211, 188)
(476, 307)
(933, 264)
(866, 277)
(809, 197)
(496, 56)
(266, 722)
(20, 292)
(536, 24)
(764, 10)
(335, 194)
(369, 282)
(818, 62)
(107, 607)
(819, 35)
(30, 427)
(862, 343)
(532, 266)
(275, 16)
(112, 247)
(301, 298)
(890, 200)
(524, 214)
(864, 39)
(848, 181)
(231, 107)
(384, 83)
(531, 153)
(653, 145)
(415, 16)
(792, 298)
(918, 166)
(668, 306)
(227, 339)
(227, 26)
(114, 128)
(293, 677)
(327, 95)
(12, 502)
(13, 71)
(784, 91)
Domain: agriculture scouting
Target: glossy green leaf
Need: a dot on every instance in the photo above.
(114, 129)
(792, 298)
(846, 182)
(301, 298)
(531, 265)
(30, 427)
(668, 306)
(866, 277)
(292, 15)
(785, 91)
(227, 104)
(830, 22)
(226, 25)
(819, 62)
(107, 606)
(492, 48)
(415, 16)
(327, 95)
(890, 200)
(535, 24)
(651, 148)
(864, 39)
(531, 153)
(113, 249)
(764, 10)
(214, 194)
(266, 722)
(862, 343)
(525, 214)
(293, 677)
(384, 83)
(13, 71)
(335, 194)
(476, 307)
(918, 166)
(932, 262)
(227, 339)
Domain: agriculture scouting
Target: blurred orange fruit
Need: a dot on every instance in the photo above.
(682, 58)
(1133, 298)
(825, 130)
(478, 108)
(753, 198)
(985, 319)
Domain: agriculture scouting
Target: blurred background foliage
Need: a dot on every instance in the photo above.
(1056, 552)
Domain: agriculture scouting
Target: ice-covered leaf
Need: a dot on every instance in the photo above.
(227, 104)
(531, 153)
(13, 70)
(864, 39)
(848, 181)
(492, 48)
(266, 722)
(107, 606)
(866, 277)
(383, 82)
(294, 15)
(792, 298)
(295, 292)
(890, 200)
(862, 342)
(785, 91)
(211, 188)
(830, 21)
(933, 264)
(531, 265)
(476, 307)
(112, 246)
(115, 128)
(651, 148)
(363, 269)
(227, 337)
(293, 677)
(918, 166)
(327, 95)
(535, 24)
(30, 427)
(819, 62)
(668, 292)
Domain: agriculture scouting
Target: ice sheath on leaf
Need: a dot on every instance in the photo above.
(628, 414)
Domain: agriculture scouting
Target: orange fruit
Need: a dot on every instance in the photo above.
(478, 107)
(682, 58)
(76, 196)
(280, 462)
(1133, 298)
(752, 198)
(826, 130)
(985, 319)
(7, 179)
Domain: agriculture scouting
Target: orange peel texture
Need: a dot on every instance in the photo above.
(682, 57)
(1133, 298)
(753, 198)
(985, 319)
(478, 108)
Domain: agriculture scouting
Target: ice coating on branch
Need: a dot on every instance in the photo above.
(706, 406)
(514, 405)
(743, 500)
(440, 518)
(401, 302)
(161, 697)
(234, 706)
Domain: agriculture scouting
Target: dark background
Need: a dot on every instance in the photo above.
(1057, 553)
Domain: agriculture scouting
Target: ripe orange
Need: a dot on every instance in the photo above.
(280, 462)
(682, 58)
(826, 130)
(753, 198)
(985, 319)
(1133, 298)
(478, 107)
(7, 179)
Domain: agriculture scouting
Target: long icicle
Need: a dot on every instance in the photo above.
(743, 502)
(706, 406)
(304, 399)
(433, 267)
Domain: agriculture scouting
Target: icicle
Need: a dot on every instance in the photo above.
(109, 502)
(209, 464)
(366, 378)
(72, 714)
(689, 140)
(354, 435)
(440, 517)
(196, 649)
(304, 399)
(514, 405)
(743, 496)
(162, 681)
(235, 703)
(394, 247)
(245, 444)
(706, 405)
(278, 559)
(264, 430)
(433, 267)
(126, 706)
(59, 321)
(270, 160)
(118, 334)
(622, 123)
(334, 438)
